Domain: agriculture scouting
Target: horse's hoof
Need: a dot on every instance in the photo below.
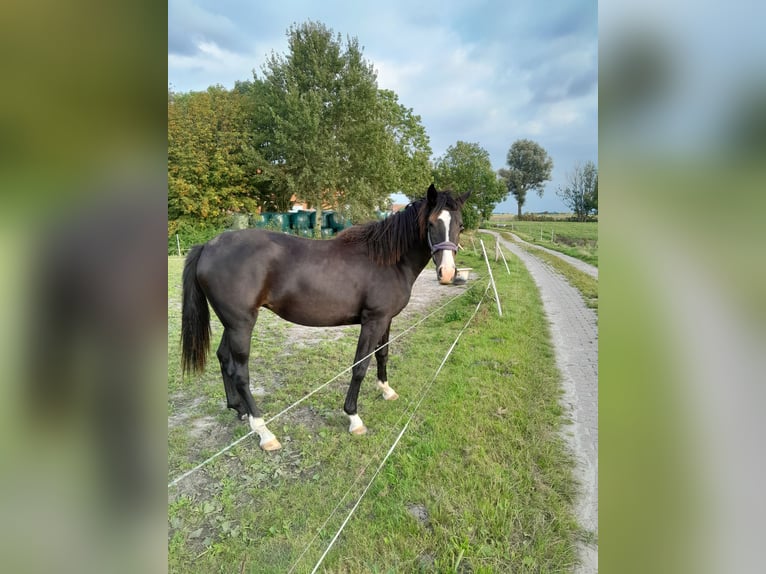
(389, 394)
(356, 426)
(270, 445)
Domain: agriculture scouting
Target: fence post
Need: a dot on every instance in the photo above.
(491, 278)
(504, 261)
(178, 244)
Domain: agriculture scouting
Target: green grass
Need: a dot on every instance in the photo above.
(574, 238)
(483, 457)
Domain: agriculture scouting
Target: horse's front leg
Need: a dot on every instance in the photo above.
(370, 334)
(381, 358)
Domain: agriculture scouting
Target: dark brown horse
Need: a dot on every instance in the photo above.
(363, 276)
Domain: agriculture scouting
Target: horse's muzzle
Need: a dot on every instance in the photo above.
(446, 274)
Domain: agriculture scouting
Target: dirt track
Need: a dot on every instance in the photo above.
(574, 332)
(574, 262)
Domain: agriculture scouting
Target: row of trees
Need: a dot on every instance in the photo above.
(316, 125)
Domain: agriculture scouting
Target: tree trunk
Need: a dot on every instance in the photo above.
(318, 222)
(519, 215)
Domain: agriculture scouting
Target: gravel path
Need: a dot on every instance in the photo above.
(573, 261)
(575, 336)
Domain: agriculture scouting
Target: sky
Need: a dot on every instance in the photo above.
(487, 72)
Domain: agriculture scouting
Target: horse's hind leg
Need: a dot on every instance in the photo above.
(381, 358)
(233, 400)
(238, 339)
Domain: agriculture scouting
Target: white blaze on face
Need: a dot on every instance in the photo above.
(447, 267)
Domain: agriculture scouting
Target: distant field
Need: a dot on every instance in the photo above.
(508, 217)
(578, 239)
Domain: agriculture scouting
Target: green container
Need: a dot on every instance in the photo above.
(299, 220)
(306, 232)
(281, 220)
(338, 222)
(312, 215)
(327, 232)
(327, 218)
(265, 219)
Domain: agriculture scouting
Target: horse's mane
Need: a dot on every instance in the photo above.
(389, 239)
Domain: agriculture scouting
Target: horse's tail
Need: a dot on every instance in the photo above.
(195, 317)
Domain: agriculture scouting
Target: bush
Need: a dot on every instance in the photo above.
(192, 233)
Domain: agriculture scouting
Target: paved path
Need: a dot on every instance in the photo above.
(575, 336)
(573, 261)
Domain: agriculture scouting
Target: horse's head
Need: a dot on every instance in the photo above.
(445, 223)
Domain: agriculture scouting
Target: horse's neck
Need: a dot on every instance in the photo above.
(415, 260)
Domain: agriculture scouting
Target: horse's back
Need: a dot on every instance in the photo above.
(238, 252)
(311, 282)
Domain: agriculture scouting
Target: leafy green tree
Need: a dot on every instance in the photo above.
(466, 166)
(271, 186)
(529, 168)
(407, 147)
(209, 156)
(329, 134)
(580, 193)
(591, 201)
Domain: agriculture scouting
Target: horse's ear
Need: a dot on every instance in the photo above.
(432, 195)
(463, 198)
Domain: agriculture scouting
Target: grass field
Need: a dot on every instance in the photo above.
(480, 482)
(574, 238)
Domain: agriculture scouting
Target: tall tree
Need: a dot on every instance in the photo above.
(529, 168)
(270, 180)
(407, 146)
(580, 193)
(209, 156)
(466, 166)
(324, 126)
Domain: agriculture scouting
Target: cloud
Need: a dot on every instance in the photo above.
(210, 60)
(190, 25)
(484, 72)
